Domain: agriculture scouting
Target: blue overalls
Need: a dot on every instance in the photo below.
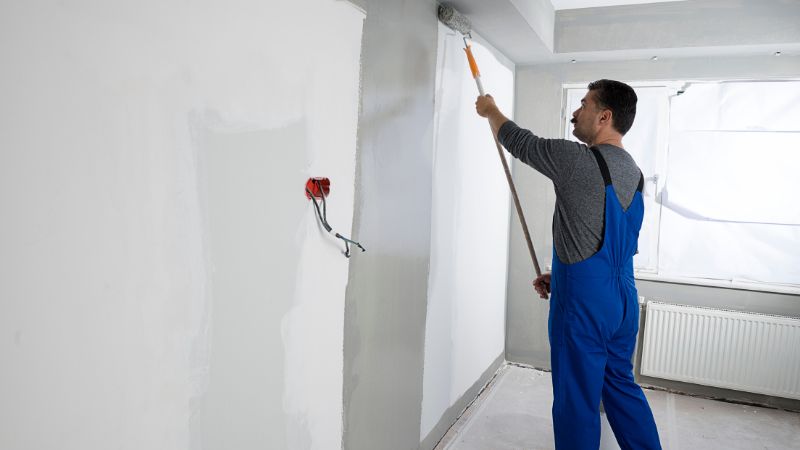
(594, 318)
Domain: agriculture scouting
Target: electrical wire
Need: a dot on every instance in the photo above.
(323, 218)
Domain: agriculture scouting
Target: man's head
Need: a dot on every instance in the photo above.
(607, 109)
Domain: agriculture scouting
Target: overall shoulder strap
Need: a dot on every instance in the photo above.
(603, 166)
(607, 175)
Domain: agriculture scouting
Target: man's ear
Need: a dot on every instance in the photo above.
(606, 116)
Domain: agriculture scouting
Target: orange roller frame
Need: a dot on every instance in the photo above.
(473, 66)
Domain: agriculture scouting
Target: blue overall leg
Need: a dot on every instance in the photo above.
(594, 317)
(626, 406)
(578, 361)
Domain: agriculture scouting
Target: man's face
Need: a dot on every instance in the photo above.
(585, 118)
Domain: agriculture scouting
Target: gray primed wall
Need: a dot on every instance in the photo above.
(538, 107)
(387, 289)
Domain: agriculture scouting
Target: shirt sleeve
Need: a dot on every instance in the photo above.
(553, 158)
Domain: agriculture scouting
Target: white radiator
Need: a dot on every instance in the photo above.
(728, 349)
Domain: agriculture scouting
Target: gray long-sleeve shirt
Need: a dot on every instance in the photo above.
(580, 191)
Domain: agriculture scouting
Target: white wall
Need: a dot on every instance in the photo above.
(465, 327)
(163, 282)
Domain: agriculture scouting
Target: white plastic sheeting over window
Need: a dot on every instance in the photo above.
(730, 208)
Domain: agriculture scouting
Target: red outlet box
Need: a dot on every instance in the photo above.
(318, 186)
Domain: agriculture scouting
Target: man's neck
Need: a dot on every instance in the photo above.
(609, 139)
(615, 143)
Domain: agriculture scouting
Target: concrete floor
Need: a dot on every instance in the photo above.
(514, 413)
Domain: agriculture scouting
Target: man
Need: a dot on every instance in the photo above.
(594, 310)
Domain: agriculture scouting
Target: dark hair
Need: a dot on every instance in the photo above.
(620, 99)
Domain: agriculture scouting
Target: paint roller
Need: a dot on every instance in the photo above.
(461, 24)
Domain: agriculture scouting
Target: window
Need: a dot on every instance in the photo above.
(722, 167)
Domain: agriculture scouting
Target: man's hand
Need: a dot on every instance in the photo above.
(485, 105)
(542, 285)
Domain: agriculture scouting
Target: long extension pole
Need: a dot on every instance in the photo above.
(477, 76)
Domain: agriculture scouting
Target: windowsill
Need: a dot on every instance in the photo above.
(740, 285)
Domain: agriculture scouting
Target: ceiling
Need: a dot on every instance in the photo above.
(575, 4)
(555, 31)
